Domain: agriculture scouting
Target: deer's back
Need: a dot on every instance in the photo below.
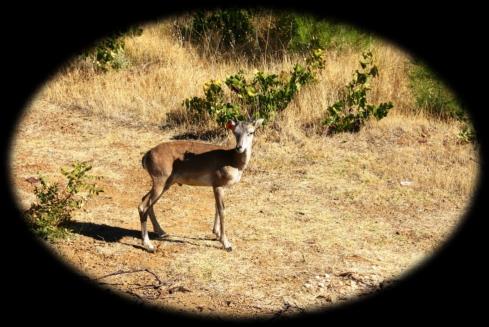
(185, 158)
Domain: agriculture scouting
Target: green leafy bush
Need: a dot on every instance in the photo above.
(227, 29)
(108, 52)
(267, 94)
(262, 33)
(303, 32)
(213, 105)
(261, 97)
(437, 100)
(432, 96)
(54, 206)
(350, 112)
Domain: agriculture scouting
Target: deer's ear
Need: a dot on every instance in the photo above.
(258, 122)
(231, 124)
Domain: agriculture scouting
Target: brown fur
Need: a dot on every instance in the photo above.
(197, 164)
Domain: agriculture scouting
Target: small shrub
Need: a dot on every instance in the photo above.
(350, 112)
(54, 206)
(262, 97)
(467, 133)
(268, 94)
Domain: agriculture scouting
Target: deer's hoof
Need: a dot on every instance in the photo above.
(161, 235)
(228, 249)
(150, 248)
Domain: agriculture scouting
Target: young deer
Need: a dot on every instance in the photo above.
(198, 164)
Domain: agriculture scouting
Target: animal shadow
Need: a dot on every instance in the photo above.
(114, 234)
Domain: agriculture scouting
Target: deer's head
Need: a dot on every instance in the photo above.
(244, 132)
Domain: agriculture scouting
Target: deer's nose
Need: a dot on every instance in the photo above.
(239, 148)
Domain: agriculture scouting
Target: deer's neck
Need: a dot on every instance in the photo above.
(241, 159)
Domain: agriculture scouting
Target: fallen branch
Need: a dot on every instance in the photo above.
(178, 289)
(121, 272)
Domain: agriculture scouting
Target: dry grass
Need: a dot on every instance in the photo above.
(314, 220)
(163, 73)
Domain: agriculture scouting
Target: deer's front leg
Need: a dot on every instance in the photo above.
(219, 193)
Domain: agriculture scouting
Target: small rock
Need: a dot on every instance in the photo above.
(321, 284)
(318, 277)
(32, 180)
(406, 182)
(307, 285)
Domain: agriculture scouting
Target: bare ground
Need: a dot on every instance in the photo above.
(313, 222)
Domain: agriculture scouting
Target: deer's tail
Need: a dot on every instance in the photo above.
(144, 159)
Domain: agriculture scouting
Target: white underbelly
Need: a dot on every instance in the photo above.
(226, 176)
(233, 176)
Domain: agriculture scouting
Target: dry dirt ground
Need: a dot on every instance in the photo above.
(313, 222)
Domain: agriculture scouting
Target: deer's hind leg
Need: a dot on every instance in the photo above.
(146, 208)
